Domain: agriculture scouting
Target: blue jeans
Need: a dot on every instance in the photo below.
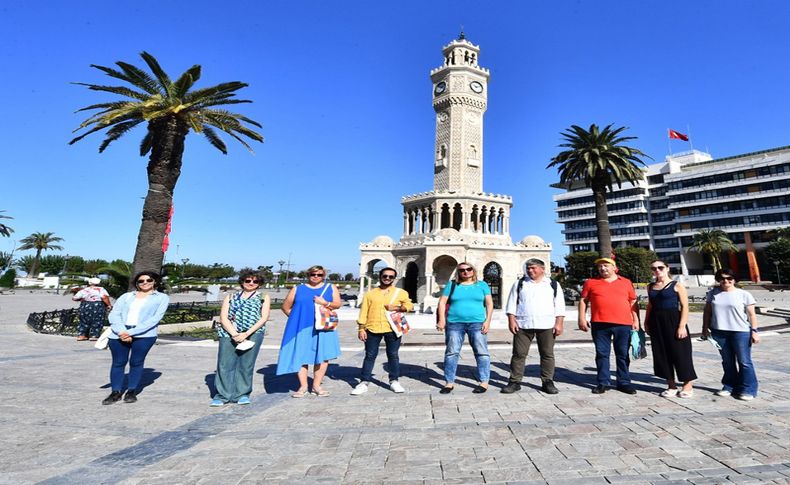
(134, 353)
(235, 370)
(454, 339)
(372, 343)
(604, 334)
(736, 359)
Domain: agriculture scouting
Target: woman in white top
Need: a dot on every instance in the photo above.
(134, 321)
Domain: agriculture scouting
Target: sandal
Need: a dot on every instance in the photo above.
(320, 392)
(686, 394)
(669, 393)
(446, 390)
(299, 394)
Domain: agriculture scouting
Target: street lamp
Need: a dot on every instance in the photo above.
(778, 276)
(65, 262)
(184, 267)
(281, 263)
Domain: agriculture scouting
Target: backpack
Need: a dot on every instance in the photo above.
(521, 281)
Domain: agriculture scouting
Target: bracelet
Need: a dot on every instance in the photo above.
(755, 330)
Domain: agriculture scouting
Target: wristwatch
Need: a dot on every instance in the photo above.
(755, 330)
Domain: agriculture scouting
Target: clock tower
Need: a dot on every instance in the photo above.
(460, 92)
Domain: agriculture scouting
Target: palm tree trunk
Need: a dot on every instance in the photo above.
(602, 221)
(36, 263)
(164, 168)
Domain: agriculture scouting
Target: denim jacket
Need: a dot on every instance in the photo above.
(150, 314)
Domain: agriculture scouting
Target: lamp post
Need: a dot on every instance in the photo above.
(281, 263)
(778, 276)
(184, 267)
(65, 262)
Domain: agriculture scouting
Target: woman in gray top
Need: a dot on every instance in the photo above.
(730, 320)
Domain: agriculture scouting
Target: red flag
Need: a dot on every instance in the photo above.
(677, 135)
(166, 241)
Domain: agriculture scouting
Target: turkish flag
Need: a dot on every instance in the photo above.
(678, 135)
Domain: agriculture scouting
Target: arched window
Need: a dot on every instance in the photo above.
(445, 217)
(458, 217)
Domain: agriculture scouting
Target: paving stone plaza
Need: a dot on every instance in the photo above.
(55, 429)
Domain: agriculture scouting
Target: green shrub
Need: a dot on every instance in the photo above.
(7, 280)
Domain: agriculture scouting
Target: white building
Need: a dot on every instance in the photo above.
(457, 221)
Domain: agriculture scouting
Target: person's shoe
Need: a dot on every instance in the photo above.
(511, 387)
(723, 393)
(626, 389)
(82, 337)
(686, 394)
(243, 400)
(549, 388)
(130, 397)
(217, 403)
(744, 397)
(599, 389)
(113, 398)
(669, 393)
(479, 390)
(446, 390)
(93, 339)
(396, 387)
(361, 388)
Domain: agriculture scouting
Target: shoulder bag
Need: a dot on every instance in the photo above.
(325, 317)
(397, 320)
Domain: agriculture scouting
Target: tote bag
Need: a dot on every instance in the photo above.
(397, 320)
(325, 317)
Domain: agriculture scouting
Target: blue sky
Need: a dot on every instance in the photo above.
(343, 93)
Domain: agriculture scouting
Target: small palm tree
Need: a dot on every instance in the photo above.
(713, 242)
(170, 110)
(40, 241)
(5, 230)
(120, 273)
(598, 158)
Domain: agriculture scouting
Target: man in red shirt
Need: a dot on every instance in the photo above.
(613, 313)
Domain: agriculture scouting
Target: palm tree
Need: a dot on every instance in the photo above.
(598, 158)
(40, 241)
(712, 242)
(170, 110)
(5, 230)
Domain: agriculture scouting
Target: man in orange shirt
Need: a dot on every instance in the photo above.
(613, 313)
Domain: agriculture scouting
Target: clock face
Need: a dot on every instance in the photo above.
(440, 87)
(476, 87)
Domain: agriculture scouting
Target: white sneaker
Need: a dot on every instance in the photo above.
(744, 397)
(723, 393)
(396, 387)
(361, 388)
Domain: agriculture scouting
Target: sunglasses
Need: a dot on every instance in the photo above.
(146, 280)
(657, 268)
(727, 278)
(465, 270)
(388, 276)
(321, 275)
(248, 280)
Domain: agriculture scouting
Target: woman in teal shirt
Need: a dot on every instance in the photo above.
(469, 314)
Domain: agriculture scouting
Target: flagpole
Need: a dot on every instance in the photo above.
(669, 145)
(688, 128)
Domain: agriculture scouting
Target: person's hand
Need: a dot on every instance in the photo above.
(440, 325)
(240, 337)
(705, 332)
(755, 338)
(583, 326)
(124, 335)
(320, 301)
(392, 308)
(484, 330)
(681, 333)
(635, 326)
(513, 327)
(363, 335)
(558, 328)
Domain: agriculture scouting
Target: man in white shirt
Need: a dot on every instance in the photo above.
(535, 310)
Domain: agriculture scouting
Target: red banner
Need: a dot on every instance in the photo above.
(166, 241)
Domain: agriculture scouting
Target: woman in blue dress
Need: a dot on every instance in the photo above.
(302, 344)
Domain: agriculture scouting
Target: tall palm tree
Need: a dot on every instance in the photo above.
(40, 241)
(712, 242)
(5, 230)
(170, 110)
(598, 158)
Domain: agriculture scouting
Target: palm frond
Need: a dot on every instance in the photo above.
(214, 139)
(140, 78)
(146, 143)
(222, 88)
(110, 106)
(117, 131)
(123, 91)
(161, 75)
(186, 81)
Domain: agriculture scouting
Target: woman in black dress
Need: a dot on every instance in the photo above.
(665, 321)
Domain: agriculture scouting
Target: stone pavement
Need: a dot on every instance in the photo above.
(55, 429)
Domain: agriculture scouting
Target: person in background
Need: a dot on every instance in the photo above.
(94, 303)
(666, 320)
(134, 320)
(730, 320)
(243, 319)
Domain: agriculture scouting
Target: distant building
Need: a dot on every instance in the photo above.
(745, 196)
(457, 221)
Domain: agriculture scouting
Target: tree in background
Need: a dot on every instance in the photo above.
(580, 266)
(7, 280)
(5, 260)
(169, 109)
(711, 243)
(634, 263)
(92, 265)
(334, 277)
(778, 253)
(348, 277)
(40, 241)
(120, 275)
(5, 230)
(598, 158)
